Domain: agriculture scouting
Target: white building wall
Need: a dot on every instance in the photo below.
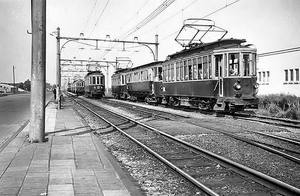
(276, 66)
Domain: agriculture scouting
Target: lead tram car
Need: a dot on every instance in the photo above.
(94, 84)
(218, 75)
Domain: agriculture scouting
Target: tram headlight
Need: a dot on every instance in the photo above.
(255, 86)
(237, 85)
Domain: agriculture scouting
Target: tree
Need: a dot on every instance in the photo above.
(20, 85)
(27, 85)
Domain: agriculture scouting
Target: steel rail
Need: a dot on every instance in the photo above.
(275, 182)
(259, 118)
(291, 140)
(172, 166)
(265, 147)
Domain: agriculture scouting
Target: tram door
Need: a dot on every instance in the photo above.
(219, 72)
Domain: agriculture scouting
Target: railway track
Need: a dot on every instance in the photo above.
(288, 148)
(269, 120)
(246, 115)
(287, 152)
(208, 171)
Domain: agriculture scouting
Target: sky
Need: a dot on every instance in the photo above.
(270, 25)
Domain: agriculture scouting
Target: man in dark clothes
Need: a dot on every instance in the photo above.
(54, 92)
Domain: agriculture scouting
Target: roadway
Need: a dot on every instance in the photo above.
(14, 112)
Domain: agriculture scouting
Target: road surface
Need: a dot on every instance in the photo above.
(14, 112)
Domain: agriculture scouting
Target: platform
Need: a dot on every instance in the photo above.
(72, 162)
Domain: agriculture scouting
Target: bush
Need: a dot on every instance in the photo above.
(279, 105)
(293, 113)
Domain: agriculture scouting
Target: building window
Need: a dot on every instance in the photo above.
(297, 75)
(286, 73)
(268, 76)
(259, 76)
(292, 75)
(264, 76)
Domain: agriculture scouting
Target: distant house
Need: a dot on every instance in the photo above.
(6, 88)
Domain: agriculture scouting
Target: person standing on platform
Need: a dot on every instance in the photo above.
(54, 92)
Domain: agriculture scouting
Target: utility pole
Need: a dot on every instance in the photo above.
(14, 79)
(38, 71)
(58, 69)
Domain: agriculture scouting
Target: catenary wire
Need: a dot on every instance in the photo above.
(227, 5)
(99, 18)
(277, 52)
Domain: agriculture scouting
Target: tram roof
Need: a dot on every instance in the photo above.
(224, 43)
(138, 67)
(93, 72)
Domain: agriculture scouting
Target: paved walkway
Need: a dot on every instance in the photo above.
(71, 162)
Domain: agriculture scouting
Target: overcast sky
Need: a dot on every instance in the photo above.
(268, 24)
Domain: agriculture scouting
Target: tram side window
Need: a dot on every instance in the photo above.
(225, 65)
(195, 69)
(135, 77)
(209, 67)
(160, 73)
(164, 73)
(177, 71)
(200, 68)
(234, 69)
(186, 76)
(190, 69)
(181, 71)
(155, 74)
(128, 78)
(123, 81)
(167, 73)
(172, 72)
(205, 75)
(246, 64)
(142, 76)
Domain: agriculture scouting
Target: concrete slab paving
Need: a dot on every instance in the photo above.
(72, 162)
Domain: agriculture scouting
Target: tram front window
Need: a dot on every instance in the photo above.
(234, 68)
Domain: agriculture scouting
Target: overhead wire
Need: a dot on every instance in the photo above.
(277, 52)
(149, 18)
(89, 16)
(168, 18)
(134, 15)
(145, 21)
(99, 18)
(80, 50)
(227, 5)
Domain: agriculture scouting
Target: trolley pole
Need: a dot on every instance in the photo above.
(38, 71)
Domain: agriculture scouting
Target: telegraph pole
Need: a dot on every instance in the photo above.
(14, 79)
(58, 69)
(38, 71)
